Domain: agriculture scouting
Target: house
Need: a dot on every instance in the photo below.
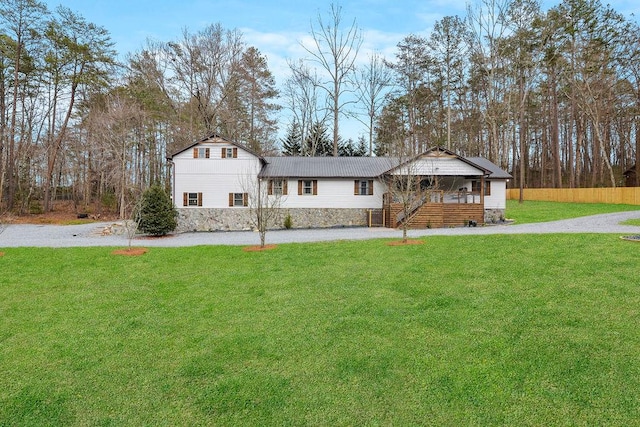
(213, 181)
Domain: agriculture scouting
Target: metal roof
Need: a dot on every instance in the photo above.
(496, 171)
(326, 167)
(351, 167)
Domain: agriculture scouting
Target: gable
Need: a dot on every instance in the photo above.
(216, 145)
(439, 162)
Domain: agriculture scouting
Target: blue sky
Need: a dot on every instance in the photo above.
(274, 27)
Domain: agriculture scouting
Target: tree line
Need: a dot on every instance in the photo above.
(551, 96)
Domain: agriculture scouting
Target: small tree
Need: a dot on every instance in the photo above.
(131, 220)
(406, 182)
(404, 186)
(156, 216)
(264, 204)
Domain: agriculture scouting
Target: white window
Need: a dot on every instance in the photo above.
(307, 187)
(229, 153)
(201, 153)
(238, 199)
(363, 187)
(277, 187)
(191, 199)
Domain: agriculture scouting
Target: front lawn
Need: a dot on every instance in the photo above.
(483, 330)
(538, 211)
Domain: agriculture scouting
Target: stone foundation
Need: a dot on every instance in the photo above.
(493, 216)
(235, 219)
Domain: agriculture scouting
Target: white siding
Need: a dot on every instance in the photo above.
(332, 193)
(442, 166)
(214, 177)
(498, 197)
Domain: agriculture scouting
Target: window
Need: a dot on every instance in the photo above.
(201, 153)
(238, 199)
(475, 187)
(191, 199)
(229, 152)
(307, 187)
(363, 187)
(277, 187)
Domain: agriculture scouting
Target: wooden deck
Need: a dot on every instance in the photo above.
(435, 215)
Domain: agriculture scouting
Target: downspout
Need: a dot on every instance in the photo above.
(172, 181)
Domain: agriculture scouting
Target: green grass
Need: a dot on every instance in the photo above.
(536, 211)
(635, 221)
(483, 330)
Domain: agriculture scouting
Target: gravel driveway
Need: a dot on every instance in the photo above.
(93, 234)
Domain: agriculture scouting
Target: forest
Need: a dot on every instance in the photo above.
(551, 96)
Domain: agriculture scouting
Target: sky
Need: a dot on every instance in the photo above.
(275, 27)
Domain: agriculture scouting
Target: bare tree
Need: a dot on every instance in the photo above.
(335, 50)
(20, 22)
(303, 99)
(411, 71)
(449, 41)
(372, 82)
(405, 184)
(197, 62)
(263, 200)
(113, 132)
(488, 27)
(80, 56)
(131, 219)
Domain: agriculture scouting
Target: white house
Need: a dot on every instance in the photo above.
(214, 180)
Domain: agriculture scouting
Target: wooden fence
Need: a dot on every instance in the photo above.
(619, 195)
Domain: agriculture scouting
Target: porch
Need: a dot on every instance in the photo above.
(435, 209)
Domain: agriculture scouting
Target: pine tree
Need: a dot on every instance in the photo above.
(292, 144)
(157, 216)
(345, 148)
(317, 142)
(361, 149)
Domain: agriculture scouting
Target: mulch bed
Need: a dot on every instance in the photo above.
(258, 248)
(152, 237)
(130, 251)
(408, 242)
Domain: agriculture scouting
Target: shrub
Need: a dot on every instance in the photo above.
(156, 216)
(288, 222)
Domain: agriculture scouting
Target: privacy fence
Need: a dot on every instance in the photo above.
(620, 195)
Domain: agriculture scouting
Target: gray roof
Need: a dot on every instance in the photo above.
(325, 167)
(496, 172)
(350, 167)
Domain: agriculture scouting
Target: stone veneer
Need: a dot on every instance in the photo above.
(234, 219)
(206, 219)
(493, 216)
